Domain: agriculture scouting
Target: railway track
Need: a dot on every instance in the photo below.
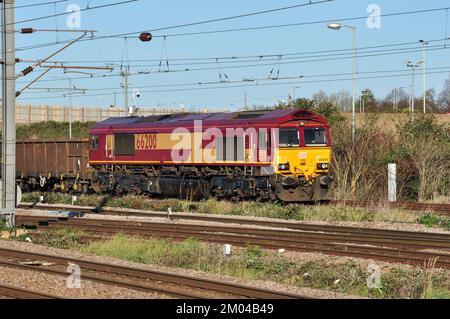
(387, 245)
(80, 210)
(441, 209)
(21, 293)
(170, 284)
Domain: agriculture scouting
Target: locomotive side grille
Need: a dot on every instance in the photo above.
(124, 144)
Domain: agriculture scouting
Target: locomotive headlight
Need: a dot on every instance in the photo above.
(284, 167)
(323, 166)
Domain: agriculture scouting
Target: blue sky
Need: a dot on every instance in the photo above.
(279, 42)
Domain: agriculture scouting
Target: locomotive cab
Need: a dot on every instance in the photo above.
(303, 161)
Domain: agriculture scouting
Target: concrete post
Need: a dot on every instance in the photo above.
(392, 182)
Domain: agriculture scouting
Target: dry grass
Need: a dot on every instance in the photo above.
(389, 120)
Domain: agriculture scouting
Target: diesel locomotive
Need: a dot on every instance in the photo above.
(278, 155)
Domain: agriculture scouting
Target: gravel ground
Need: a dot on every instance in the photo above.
(56, 285)
(75, 254)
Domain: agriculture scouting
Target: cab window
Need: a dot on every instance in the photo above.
(315, 137)
(289, 137)
(93, 143)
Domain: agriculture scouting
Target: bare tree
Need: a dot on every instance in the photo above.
(444, 97)
(342, 100)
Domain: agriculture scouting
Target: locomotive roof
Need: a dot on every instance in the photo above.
(264, 117)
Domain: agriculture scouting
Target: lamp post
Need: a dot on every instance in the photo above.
(71, 91)
(70, 108)
(424, 74)
(295, 88)
(395, 99)
(338, 26)
(413, 81)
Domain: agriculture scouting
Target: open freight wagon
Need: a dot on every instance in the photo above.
(52, 164)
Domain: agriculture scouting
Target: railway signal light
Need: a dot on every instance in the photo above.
(145, 37)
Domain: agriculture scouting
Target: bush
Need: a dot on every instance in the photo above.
(426, 145)
(64, 238)
(419, 146)
(431, 220)
(44, 130)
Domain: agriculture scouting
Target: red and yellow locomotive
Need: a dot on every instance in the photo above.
(263, 155)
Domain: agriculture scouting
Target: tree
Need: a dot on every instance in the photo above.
(321, 96)
(370, 102)
(431, 101)
(400, 95)
(342, 100)
(324, 108)
(427, 145)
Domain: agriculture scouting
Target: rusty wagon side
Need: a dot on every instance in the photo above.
(53, 164)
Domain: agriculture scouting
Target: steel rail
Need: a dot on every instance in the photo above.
(22, 293)
(233, 220)
(108, 281)
(395, 240)
(244, 237)
(442, 209)
(177, 279)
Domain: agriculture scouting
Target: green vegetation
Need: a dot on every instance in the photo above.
(431, 220)
(3, 226)
(254, 263)
(64, 238)
(12, 232)
(44, 130)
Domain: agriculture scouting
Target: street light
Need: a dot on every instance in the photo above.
(338, 26)
(335, 26)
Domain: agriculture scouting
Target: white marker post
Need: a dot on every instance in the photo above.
(392, 182)
(227, 250)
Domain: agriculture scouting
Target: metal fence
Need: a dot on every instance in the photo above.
(27, 114)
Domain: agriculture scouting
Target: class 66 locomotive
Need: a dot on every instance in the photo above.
(277, 155)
